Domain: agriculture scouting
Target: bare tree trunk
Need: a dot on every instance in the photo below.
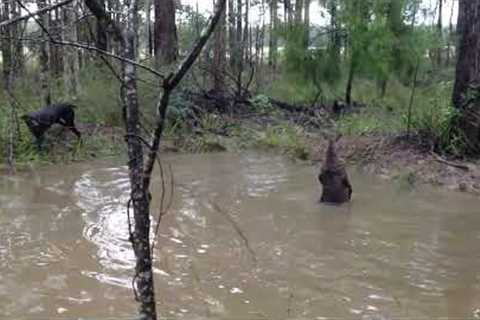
(231, 34)
(6, 46)
(414, 14)
(262, 36)
(238, 38)
(55, 52)
(247, 33)
(219, 58)
(44, 59)
(298, 11)
(439, 33)
(139, 196)
(288, 11)
(165, 41)
(148, 27)
(307, 24)
(102, 38)
(17, 45)
(466, 94)
(71, 67)
(273, 43)
(335, 39)
(351, 76)
(451, 36)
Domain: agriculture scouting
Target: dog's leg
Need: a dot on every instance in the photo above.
(39, 142)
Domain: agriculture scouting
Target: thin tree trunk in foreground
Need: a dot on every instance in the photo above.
(466, 93)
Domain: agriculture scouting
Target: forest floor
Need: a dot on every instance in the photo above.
(300, 137)
(408, 161)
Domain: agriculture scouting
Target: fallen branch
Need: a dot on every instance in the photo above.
(237, 229)
(449, 163)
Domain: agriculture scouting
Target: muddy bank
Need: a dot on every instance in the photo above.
(406, 161)
(391, 157)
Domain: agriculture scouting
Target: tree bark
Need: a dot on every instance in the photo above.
(165, 32)
(351, 75)
(306, 22)
(273, 41)
(148, 27)
(139, 196)
(71, 67)
(451, 36)
(17, 45)
(238, 38)
(231, 33)
(466, 94)
(101, 40)
(7, 62)
(439, 33)
(298, 11)
(335, 40)
(219, 57)
(44, 59)
(55, 52)
(288, 12)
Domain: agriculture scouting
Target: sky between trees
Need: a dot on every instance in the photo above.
(319, 15)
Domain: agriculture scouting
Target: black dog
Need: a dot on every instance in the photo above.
(40, 121)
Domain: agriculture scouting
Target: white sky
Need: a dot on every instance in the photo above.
(318, 15)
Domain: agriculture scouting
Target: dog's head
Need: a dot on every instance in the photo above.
(30, 121)
(35, 127)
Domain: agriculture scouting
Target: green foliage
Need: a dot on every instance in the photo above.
(434, 118)
(286, 138)
(261, 103)
(316, 65)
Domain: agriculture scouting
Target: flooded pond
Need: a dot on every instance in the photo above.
(245, 238)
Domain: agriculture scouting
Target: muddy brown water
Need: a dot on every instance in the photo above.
(245, 239)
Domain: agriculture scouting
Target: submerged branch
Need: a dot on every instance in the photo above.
(237, 228)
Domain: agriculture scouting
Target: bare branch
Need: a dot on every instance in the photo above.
(88, 47)
(169, 84)
(105, 20)
(237, 229)
(36, 13)
(174, 79)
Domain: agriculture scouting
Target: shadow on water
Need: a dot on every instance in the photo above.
(245, 238)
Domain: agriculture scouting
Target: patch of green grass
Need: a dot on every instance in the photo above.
(432, 114)
(287, 138)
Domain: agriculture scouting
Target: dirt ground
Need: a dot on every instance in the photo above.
(393, 157)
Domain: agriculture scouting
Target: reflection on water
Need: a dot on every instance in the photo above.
(246, 238)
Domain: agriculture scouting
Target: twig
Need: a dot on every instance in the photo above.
(169, 84)
(412, 96)
(32, 14)
(88, 47)
(163, 211)
(237, 228)
(449, 163)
